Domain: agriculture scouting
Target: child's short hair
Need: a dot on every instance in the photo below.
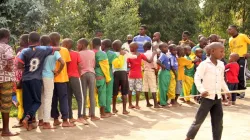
(107, 43)
(45, 40)
(197, 50)
(234, 26)
(34, 37)
(147, 45)
(67, 42)
(25, 38)
(83, 41)
(187, 33)
(4, 33)
(144, 27)
(55, 37)
(172, 46)
(96, 42)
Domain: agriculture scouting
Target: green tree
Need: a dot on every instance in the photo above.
(121, 18)
(21, 16)
(170, 17)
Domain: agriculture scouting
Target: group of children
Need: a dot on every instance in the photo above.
(48, 72)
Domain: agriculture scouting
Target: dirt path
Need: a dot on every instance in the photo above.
(150, 124)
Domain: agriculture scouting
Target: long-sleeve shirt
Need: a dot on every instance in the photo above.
(210, 78)
(102, 65)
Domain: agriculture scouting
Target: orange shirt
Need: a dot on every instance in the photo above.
(63, 76)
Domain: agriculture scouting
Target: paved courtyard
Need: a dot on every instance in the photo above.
(150, 124)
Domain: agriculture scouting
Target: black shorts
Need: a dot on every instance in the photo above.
(120, 80)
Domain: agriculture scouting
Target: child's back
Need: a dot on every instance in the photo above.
(87, 61)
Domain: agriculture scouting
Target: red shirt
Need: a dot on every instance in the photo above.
(135, 66)
(72, 66)
(232, 72)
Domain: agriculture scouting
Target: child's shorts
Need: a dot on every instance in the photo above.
(6, 90)
(135, 84)
(120, 80)
(178, 87)
(149, 82)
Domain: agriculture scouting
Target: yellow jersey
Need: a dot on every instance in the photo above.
(63, 75)
(239, 44)
(182, 62)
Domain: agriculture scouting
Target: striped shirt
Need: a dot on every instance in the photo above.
(140, 40)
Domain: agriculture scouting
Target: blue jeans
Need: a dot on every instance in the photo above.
(32, 90)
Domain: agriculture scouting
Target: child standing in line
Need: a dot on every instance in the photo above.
(163, 74)
(120, 78)
(18, 74)
(6, 80)
(102, 75)
(113, 61)
(60, 85)
(48, 83)
(198, 56)
(209, 79)
(149, 77)
(135, 75)
(32, 60)
(188, 82)
(74, 84)
(182, 63)
(87, 76)
(173, 81)
(232, 72)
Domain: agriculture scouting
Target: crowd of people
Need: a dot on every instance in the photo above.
(46, 71)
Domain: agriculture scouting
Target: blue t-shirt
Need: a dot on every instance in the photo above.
(140, 40)
(165, 60)
(33, 60)
(173, 62)
(49, 65)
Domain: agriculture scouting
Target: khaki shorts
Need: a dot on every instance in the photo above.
(6, 90)
(149, 82)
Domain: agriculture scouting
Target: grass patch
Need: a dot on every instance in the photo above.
(13, 111)
(248, 83)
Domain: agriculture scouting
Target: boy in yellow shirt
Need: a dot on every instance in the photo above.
(238, 43)
(60, 86)
(181, 78)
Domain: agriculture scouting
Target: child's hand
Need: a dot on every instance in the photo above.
(122, 52)
(204, 94)
(55, 73)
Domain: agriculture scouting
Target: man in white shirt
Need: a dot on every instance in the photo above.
(125, 46)
(209, 80)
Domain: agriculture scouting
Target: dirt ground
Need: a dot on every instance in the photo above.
(149, 124)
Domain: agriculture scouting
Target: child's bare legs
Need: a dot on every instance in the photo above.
(137, 100)
(40, 123)
(103, 114)
(114, 104)
(147, 99)
(5, 129)
(124, 103)
(156, 105)
(56, 122)
(66, 123)
(130, 100)
(176, 99)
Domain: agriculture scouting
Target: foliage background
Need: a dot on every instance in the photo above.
(116, 18)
